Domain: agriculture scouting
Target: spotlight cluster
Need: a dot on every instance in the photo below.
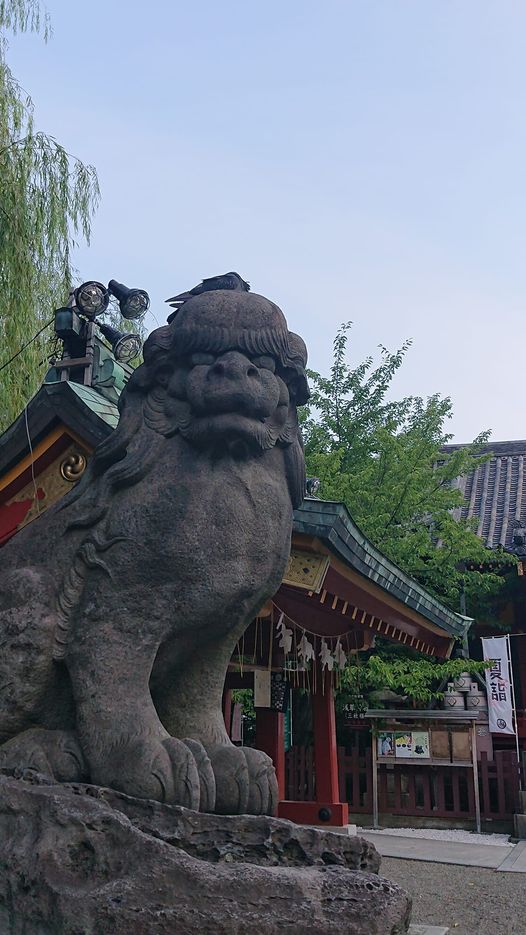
(92, 299)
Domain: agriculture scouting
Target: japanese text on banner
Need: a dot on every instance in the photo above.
(498, 684)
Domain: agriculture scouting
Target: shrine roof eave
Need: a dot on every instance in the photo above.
(400, 714)
(331, 523)
(79, 408)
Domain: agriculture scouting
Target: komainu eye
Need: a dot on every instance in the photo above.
(265, 363)
(200, 359)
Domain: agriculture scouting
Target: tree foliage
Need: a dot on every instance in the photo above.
(404, 672)
(47, 199)
(383, 458)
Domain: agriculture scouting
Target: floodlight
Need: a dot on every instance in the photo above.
(91, 299)
(133, 303)
(124, 345)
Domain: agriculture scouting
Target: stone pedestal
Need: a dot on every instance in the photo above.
(82, 860)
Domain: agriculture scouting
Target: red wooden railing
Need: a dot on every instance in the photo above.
(418, 790)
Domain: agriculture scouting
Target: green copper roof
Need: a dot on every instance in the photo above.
(97, 403)
(332, 523)
(80, 408)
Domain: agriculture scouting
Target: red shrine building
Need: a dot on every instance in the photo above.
(339, 592)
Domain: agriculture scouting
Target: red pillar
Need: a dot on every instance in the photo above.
(270, 737)
(327, 809)
(325, 747)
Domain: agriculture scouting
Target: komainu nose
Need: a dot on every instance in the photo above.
(233, 366)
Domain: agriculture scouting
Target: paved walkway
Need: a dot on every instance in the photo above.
(467, 900)
(515, 862)
(427, 930)
(510, 859)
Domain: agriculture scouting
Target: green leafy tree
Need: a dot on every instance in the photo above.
(404, 672)
(47, 199)
(383, 458)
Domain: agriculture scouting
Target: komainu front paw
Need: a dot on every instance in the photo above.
(246, 781)
(164, 770)
(55, 753)
(263, 785)
(207, 781)
(232, 779)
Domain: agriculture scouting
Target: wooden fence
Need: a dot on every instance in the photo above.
(418, 790)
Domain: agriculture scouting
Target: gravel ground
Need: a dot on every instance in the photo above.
(451, 834)
(472, 901)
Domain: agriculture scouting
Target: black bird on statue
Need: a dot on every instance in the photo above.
(230, 281)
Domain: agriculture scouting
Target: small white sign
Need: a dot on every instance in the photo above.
(262, 688)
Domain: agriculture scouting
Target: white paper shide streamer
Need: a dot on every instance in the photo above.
(340, 656)
(305, 650)
(284, 635)
(326, 657)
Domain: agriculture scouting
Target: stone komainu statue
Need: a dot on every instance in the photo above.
(121, 606)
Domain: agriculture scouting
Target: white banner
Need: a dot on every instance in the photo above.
(498, 684)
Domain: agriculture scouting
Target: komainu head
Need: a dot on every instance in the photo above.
(227, 375)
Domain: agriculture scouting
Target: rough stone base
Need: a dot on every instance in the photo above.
(82, 860)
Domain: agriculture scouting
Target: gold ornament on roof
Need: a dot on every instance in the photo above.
(72, 468)
(306, 570)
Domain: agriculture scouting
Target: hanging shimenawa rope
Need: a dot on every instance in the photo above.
(301, 627)
(335, 673)
(296, 674)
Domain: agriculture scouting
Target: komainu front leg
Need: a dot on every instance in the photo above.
(125, 744)
(190, 705)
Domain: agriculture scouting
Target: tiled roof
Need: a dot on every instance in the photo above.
(495, 493)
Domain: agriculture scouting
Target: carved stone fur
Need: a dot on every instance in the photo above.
(120, 608)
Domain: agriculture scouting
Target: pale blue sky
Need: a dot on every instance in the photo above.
(354, 159)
